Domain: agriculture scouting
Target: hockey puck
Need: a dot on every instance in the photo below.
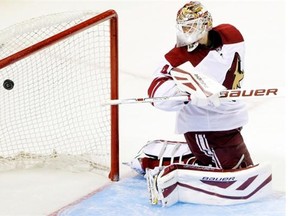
(8, 84)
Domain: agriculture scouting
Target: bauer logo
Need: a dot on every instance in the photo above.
(219, 182)
(249, 93)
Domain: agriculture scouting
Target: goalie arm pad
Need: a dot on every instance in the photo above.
(163, 85)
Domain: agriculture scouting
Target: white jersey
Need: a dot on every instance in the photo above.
(224, 63)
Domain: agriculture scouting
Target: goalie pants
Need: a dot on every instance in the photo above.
(223, 149)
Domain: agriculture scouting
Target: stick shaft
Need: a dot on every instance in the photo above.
(148, 100)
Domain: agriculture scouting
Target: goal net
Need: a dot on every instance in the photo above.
(55, 71)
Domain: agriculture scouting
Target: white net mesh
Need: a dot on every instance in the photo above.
(53, 116)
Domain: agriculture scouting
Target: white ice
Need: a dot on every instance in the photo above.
(146, 32)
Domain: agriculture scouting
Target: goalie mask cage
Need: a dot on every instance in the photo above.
(55, 72)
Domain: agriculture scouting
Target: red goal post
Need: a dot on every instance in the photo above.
(62, 66)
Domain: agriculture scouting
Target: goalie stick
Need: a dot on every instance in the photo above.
(201, 86)
(223, 95)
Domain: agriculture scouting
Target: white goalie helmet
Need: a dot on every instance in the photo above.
(193, 21)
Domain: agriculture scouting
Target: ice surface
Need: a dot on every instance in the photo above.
(130, 197)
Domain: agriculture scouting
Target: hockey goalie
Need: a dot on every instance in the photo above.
(218, 169)
(174, 175)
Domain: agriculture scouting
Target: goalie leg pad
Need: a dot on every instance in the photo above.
(212, 186)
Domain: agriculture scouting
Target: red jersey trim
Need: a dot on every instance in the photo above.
(156, 83)
(179, 55)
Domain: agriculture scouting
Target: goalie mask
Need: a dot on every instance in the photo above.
(193, 21)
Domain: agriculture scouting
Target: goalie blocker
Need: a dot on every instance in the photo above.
(173, 176)
(201, 90)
